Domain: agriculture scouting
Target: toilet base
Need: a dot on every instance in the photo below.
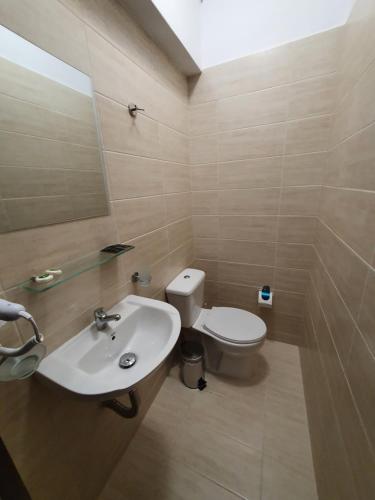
(223, 363)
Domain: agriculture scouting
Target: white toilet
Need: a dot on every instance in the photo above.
(231, 336)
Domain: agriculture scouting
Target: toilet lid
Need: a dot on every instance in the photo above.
(235, 325)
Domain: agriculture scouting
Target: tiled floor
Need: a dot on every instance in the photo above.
(230, 441)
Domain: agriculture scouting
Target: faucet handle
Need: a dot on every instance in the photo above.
(100, 313)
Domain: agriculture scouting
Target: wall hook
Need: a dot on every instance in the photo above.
(133, 109)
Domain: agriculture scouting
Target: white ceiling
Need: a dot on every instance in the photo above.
(235, 28)
(198, 34)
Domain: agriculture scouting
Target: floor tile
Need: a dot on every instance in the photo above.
(236, 439)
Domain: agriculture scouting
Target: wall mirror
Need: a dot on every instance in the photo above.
(51, 168)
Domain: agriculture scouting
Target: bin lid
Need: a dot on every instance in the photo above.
(192, 351)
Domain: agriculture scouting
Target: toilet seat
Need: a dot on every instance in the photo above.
(234, 325)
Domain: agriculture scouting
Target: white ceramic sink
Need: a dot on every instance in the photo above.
(88, 364)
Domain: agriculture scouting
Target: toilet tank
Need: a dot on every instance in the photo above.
(185, 293)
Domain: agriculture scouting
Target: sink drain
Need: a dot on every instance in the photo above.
(127, 360)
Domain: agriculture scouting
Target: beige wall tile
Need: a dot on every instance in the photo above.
(173, 145)
(249, 110)
(354, 161)
(208, 266)
(137, 216)
(206, 226)
(249, 202)
(356, 110)
(179, 233)
(300, 201)
(309, 135)
(350, 214)
(252, 142)
(357, 45)
(205, 203)
(255, 72)
(346, 269)
(314, 56)
(203, 149)
(206, 248)
(176, 178)
(294, 255)
(313, 97)
(360, 371)
(178, 206)
(247, 252)
(265, 172)
(366, 317)
(244, 274)
(291, 280)
(202, 118)
(117, 77)
(131, 176)
(300, 170)
(122, 135)
(204, 177)
(112, 21)
(294, 229)
(248, 227)
(337, 315)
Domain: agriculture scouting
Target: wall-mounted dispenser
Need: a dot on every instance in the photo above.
(265, 297)
(20, 362)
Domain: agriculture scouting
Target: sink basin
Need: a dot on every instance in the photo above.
(89, 363)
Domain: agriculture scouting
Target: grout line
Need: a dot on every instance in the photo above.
(119, 103)
(340, 362)
(348, 247)
(333, 283)
(272, 124)
(150, 158)
(42, 138)
(161, 83)
(287, 84)
(141, 197)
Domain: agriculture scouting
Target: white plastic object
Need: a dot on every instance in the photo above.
(10, 311)
(235, 325)
(186, 282)
(55, 272)
(43, 278)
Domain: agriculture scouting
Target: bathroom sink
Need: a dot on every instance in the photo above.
(89, 363)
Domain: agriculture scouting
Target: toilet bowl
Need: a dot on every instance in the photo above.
(231, 336)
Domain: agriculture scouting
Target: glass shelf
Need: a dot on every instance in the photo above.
(72, 269)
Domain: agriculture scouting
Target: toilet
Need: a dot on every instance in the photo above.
(231, 336)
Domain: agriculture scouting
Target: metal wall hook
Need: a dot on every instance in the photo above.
(133, 109)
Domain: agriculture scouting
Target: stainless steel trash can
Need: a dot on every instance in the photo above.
(192, 365)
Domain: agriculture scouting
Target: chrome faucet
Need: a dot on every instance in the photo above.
(102, 318)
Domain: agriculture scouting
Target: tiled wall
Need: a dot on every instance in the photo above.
(260, 129)
(339, 359)
(65, 448)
